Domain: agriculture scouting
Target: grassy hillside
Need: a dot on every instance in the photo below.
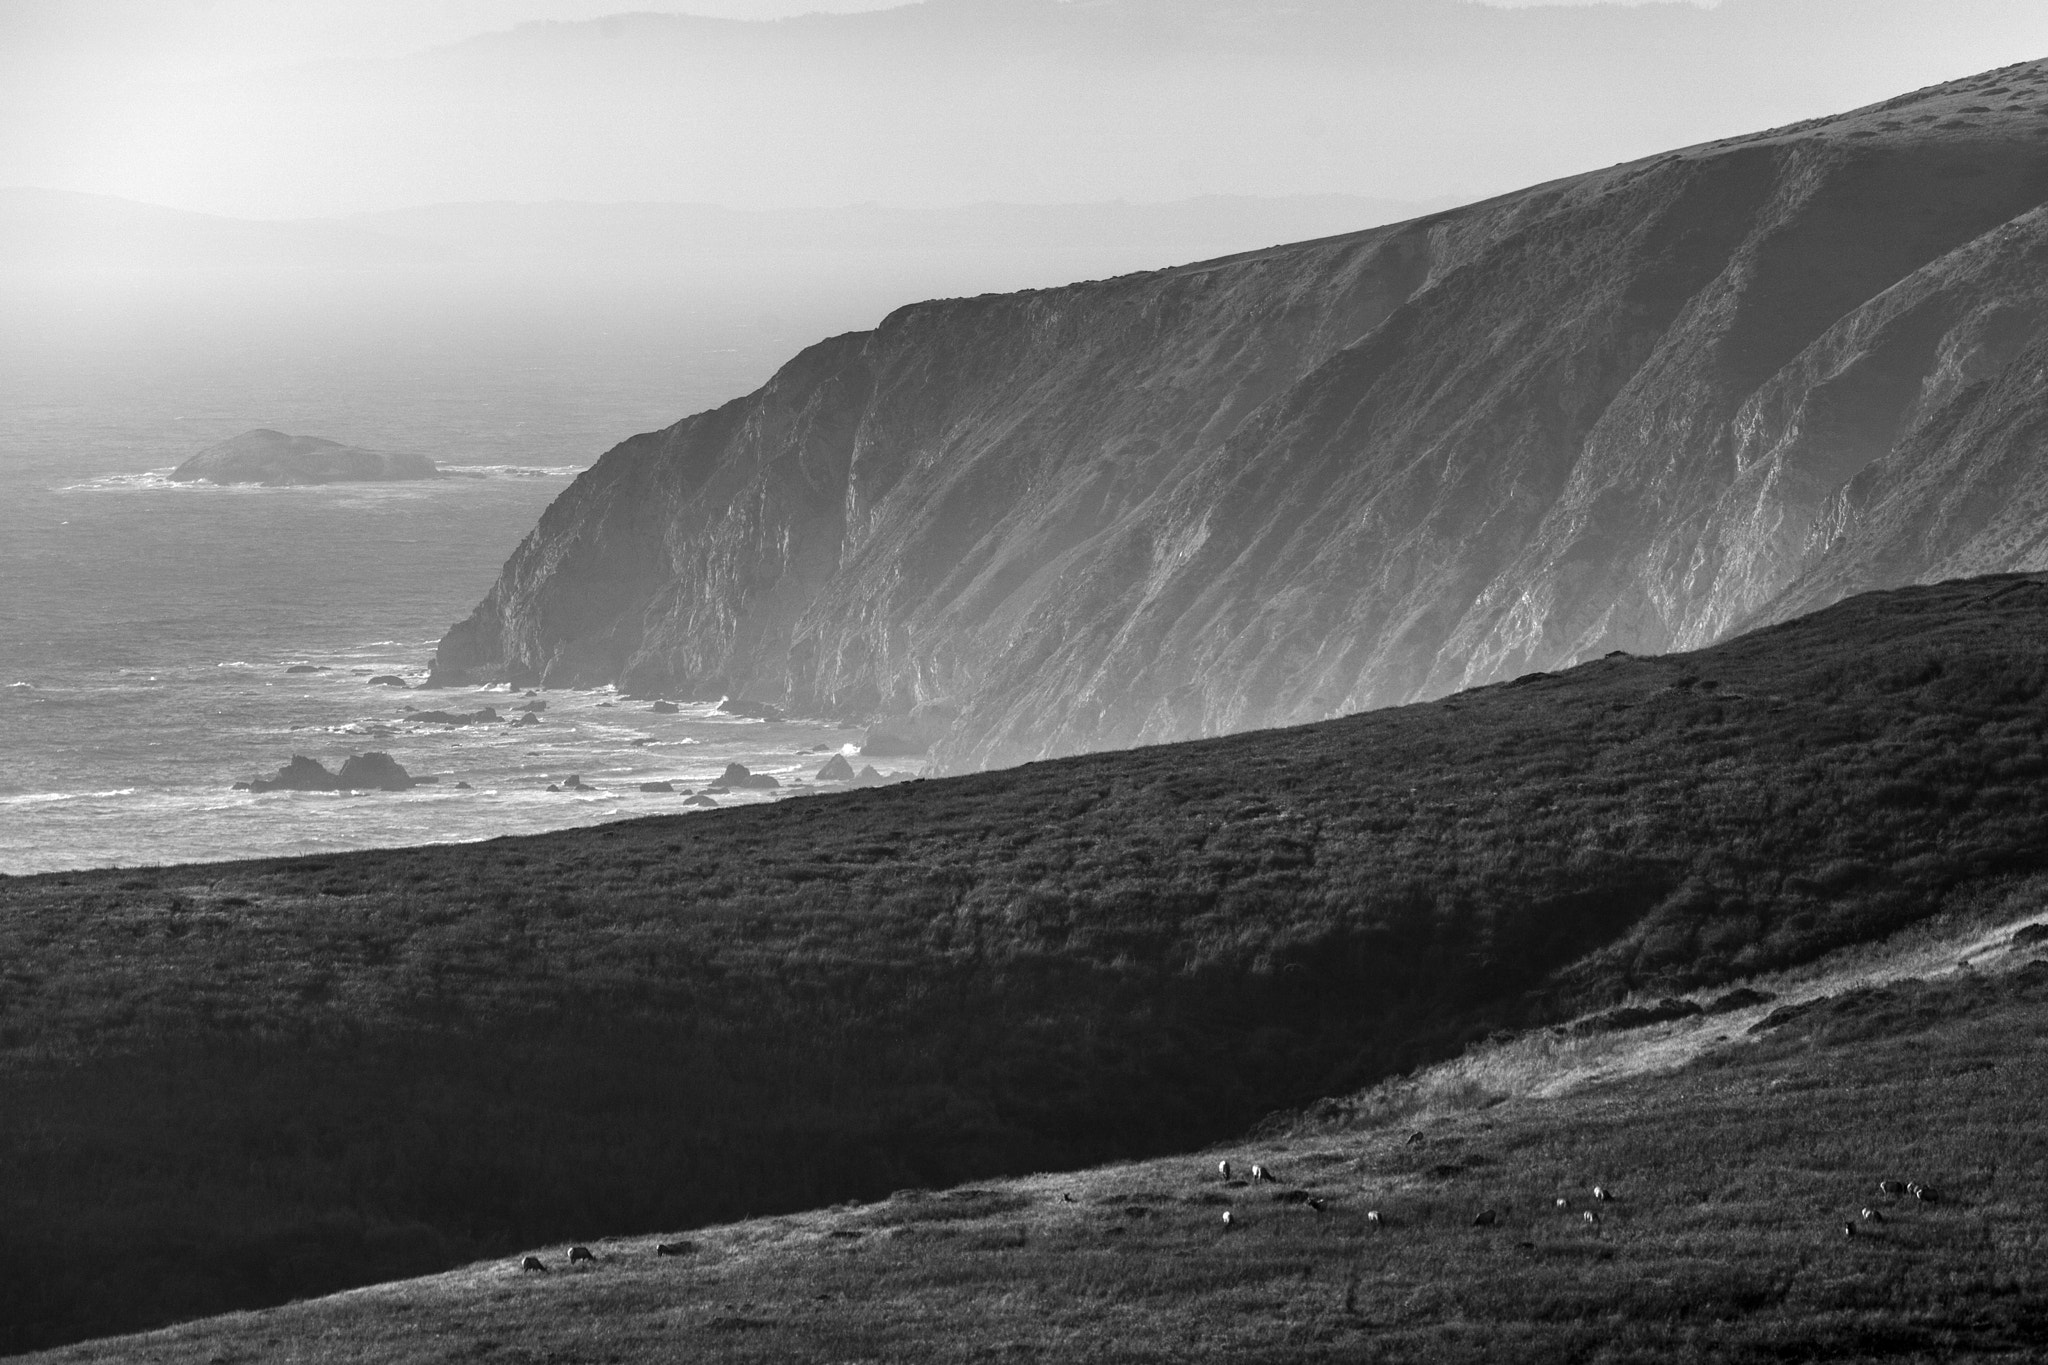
(1733, 1177)
(235, 1084)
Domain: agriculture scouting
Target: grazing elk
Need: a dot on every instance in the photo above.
(1592, 1219)
(582, 1253)
(1925, 1194)
(1223, 1169)
(1485, 1219)
(674, 1248)
(534, 1263)
(1373, 1216)
(1260, 1173)
(1872, 1216)
(1891, 1187)
(1228, 1221)
(1601, 1194)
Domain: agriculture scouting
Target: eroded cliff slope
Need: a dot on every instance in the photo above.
(1631, 410)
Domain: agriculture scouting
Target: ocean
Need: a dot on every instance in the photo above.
(147, 628)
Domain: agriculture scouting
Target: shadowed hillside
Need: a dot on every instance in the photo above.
(1631, 410)
(1734, 1179)
(233, 1084)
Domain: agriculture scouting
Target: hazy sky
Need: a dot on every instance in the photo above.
(273, 109)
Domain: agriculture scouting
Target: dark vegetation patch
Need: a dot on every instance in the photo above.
(1637, 1016)
(386, 1062)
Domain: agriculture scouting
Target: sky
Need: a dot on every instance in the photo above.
(264, 109)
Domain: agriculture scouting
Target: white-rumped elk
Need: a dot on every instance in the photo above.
(533, 1263)
(580, 1253)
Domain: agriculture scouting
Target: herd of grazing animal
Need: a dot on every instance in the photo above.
(1260, 1174)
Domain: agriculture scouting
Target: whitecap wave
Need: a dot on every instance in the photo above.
(51, 798)
(513, 471)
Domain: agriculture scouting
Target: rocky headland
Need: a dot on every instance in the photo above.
(272, 457)
(1633, 410)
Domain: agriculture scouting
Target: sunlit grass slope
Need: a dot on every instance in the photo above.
(231, 1085)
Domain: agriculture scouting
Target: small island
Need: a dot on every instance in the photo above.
(274, 458)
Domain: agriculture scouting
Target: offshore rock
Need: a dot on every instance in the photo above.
(359, 772)
(738, 775)
(272, 457)
(1634, 410)
(302, 774)
(836, 769)
(373, 772)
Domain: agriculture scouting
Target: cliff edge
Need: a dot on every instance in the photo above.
(1634, 410)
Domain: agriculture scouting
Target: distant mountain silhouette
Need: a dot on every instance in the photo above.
(43, 229)
(1632, 410)
(959, 101)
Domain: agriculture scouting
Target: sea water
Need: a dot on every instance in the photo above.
(147, 628)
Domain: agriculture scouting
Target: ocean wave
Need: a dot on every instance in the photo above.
(51, 798)
(160, 480)
(513, 471)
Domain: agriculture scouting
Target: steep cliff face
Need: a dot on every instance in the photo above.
(1631, 410)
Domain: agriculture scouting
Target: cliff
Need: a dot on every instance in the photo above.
(1633, 410)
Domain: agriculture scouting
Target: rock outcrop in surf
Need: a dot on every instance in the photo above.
(359, 772)
(1634, 410)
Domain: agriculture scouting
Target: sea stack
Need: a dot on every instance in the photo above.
(274, 458)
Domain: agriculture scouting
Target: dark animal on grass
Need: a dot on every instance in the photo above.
(581, 1254)
(1592, 1218)
(1223, 1169)
(1563, 1202)
(674, 1248)
(533, 1263)
(1602, 1194)
(1486, 1218)
(1317, 1204)
(1925, 1194)
(1373, 1216)
(1848, 1229)
(1260, 1173)
(1891, 1187)
(1414, 1139)
(1228, 1221)
(1872, 1216)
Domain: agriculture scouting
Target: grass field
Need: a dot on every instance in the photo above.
(1733, 1178)
(234, 1085)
